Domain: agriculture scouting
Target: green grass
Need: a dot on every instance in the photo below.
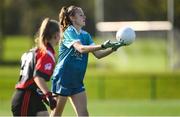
(105, 84)
(8, 78)
(135, 108)
(143, 55)
(14, 46)
(147, 55)
(118, 108)
(113, 93)
(102, 84)
(134, 80)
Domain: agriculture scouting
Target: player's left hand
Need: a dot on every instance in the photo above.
(49, 100)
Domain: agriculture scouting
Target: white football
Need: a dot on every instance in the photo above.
(126, 34)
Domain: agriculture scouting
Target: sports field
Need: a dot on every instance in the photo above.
(133, 81)
(118, 108)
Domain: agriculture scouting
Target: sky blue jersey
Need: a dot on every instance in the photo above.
(71, 67)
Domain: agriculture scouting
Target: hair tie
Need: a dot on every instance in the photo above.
(66, 11)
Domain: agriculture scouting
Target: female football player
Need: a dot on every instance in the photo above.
(73, 58)
(37, 66)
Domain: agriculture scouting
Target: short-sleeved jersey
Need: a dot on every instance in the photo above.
(34, 63)
(71, 66)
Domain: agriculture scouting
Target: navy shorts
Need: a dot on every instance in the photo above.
(26, 103)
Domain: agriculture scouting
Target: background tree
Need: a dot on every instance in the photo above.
(24, 16)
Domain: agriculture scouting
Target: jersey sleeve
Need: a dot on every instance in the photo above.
(70, 37)
(44, 67)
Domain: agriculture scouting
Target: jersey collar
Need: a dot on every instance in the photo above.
(78, 33)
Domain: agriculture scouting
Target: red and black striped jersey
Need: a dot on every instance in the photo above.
(36, 62)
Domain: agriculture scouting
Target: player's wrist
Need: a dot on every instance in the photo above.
(102, 46)
(48, 94)
(114, 49)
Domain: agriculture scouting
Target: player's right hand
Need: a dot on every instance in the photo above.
(118, 45)
(107, 44)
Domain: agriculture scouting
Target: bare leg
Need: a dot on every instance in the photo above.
(61, 101)
(79, 102)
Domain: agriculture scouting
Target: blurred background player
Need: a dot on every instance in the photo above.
(37, 66)
(73, 58)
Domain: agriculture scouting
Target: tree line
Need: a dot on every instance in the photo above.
(22, 17)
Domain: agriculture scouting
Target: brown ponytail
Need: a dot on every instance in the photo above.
(64, 16)
(46, 32)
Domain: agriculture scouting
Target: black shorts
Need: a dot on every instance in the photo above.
(26, 103)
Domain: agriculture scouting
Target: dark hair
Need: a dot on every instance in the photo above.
(46, 32)
(64, 16)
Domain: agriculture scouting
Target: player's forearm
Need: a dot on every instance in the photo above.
(40, 82)
(91, 48)
(87, 48)
(102, 53)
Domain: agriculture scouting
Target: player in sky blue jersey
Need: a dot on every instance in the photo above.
(69, 72)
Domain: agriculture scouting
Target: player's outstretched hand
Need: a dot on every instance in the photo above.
(118, 45)
(107, 44)
(49, 100)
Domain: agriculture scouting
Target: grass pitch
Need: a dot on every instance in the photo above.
(118, 108)
(118, 85)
